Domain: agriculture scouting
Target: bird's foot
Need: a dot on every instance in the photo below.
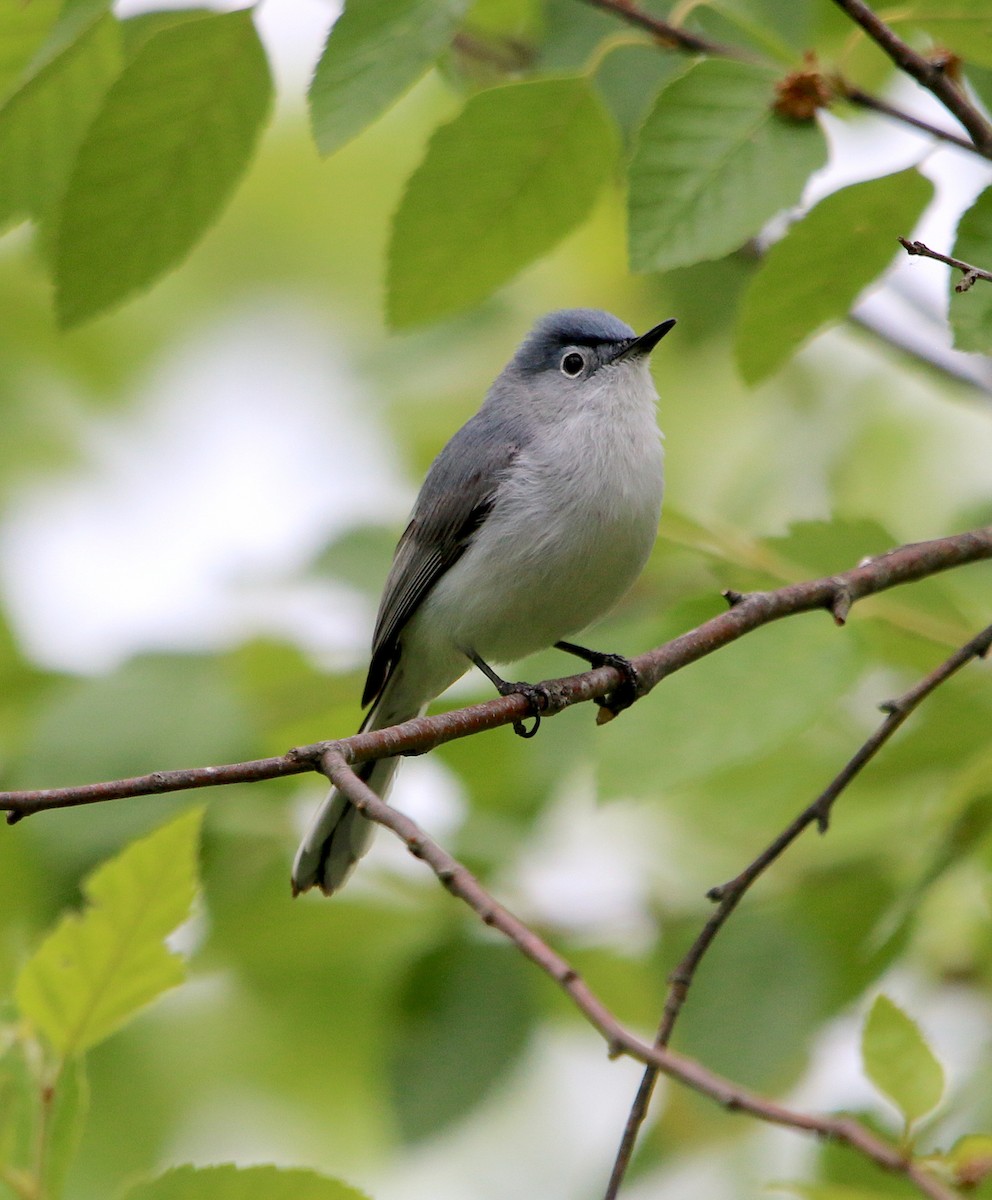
(538, 699)
(623, 696)
(537, 696)
(629, 690)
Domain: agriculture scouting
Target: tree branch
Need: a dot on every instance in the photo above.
(835, 593)
(931, 74)
(670, 36)
(971, 274)
(729, 895)
(863, 99)
(968, 369)
(675, 38)
(336, 759)
(460, 882)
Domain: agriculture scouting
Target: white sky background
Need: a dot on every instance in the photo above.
(243, 453)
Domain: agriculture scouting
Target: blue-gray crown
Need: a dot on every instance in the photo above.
(569, 327)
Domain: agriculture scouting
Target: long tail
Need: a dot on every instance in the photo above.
(339, 835)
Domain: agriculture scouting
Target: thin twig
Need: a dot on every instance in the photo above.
(967, 369)
(863, 99)
(671, 36)
(505, 54)
(462, 884)
(971, 273)
(931, 74)
(729, 895)
(835, 593)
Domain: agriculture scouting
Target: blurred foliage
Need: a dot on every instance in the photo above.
(384, 1037)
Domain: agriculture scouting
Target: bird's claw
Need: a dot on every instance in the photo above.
(623, 696)
(537, 698)
(521, 730)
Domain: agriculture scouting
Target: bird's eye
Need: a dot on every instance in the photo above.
(572, 364)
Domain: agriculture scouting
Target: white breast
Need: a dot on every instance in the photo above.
(570, 532)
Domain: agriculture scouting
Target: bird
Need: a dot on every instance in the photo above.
(532, 523)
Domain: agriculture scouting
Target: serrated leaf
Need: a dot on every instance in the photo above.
(43, 123)
(98, 967)
(466, 1011)
(816, 272)
(971, 311)
(376, 50)
(500, 185)
(229, 1182)
(713, 163)
(176, 132)
(899, 1062)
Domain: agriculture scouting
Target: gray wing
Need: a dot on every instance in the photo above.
(456, 498)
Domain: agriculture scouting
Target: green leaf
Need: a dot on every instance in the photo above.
(160, 706)
(757, 1035)
(969, 1160)
(828, 1191)
(359, 557)
(816, 272)
(825, 547)
(74, 21)
(228, 1182)
(136, 31)
(962, 26)
(967, 829)
(175, 134)
(971, 311)
(43, 123)
(979, 80)
(23, 29)
(64, 1131)
(713, 163)
(767, 667)
(899, 1062)
(18, 1100)
(97, 968)
(629, 77)
(500, 185)
(466, 1010)
(375, 51)
(774, 30)
(853, 1175)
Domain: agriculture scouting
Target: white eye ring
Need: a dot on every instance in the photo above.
(572, 364)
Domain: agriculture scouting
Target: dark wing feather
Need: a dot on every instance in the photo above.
(455, 499)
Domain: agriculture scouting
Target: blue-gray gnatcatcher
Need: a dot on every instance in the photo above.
(532, 522)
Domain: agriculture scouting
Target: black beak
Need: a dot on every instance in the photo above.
(640, 347)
